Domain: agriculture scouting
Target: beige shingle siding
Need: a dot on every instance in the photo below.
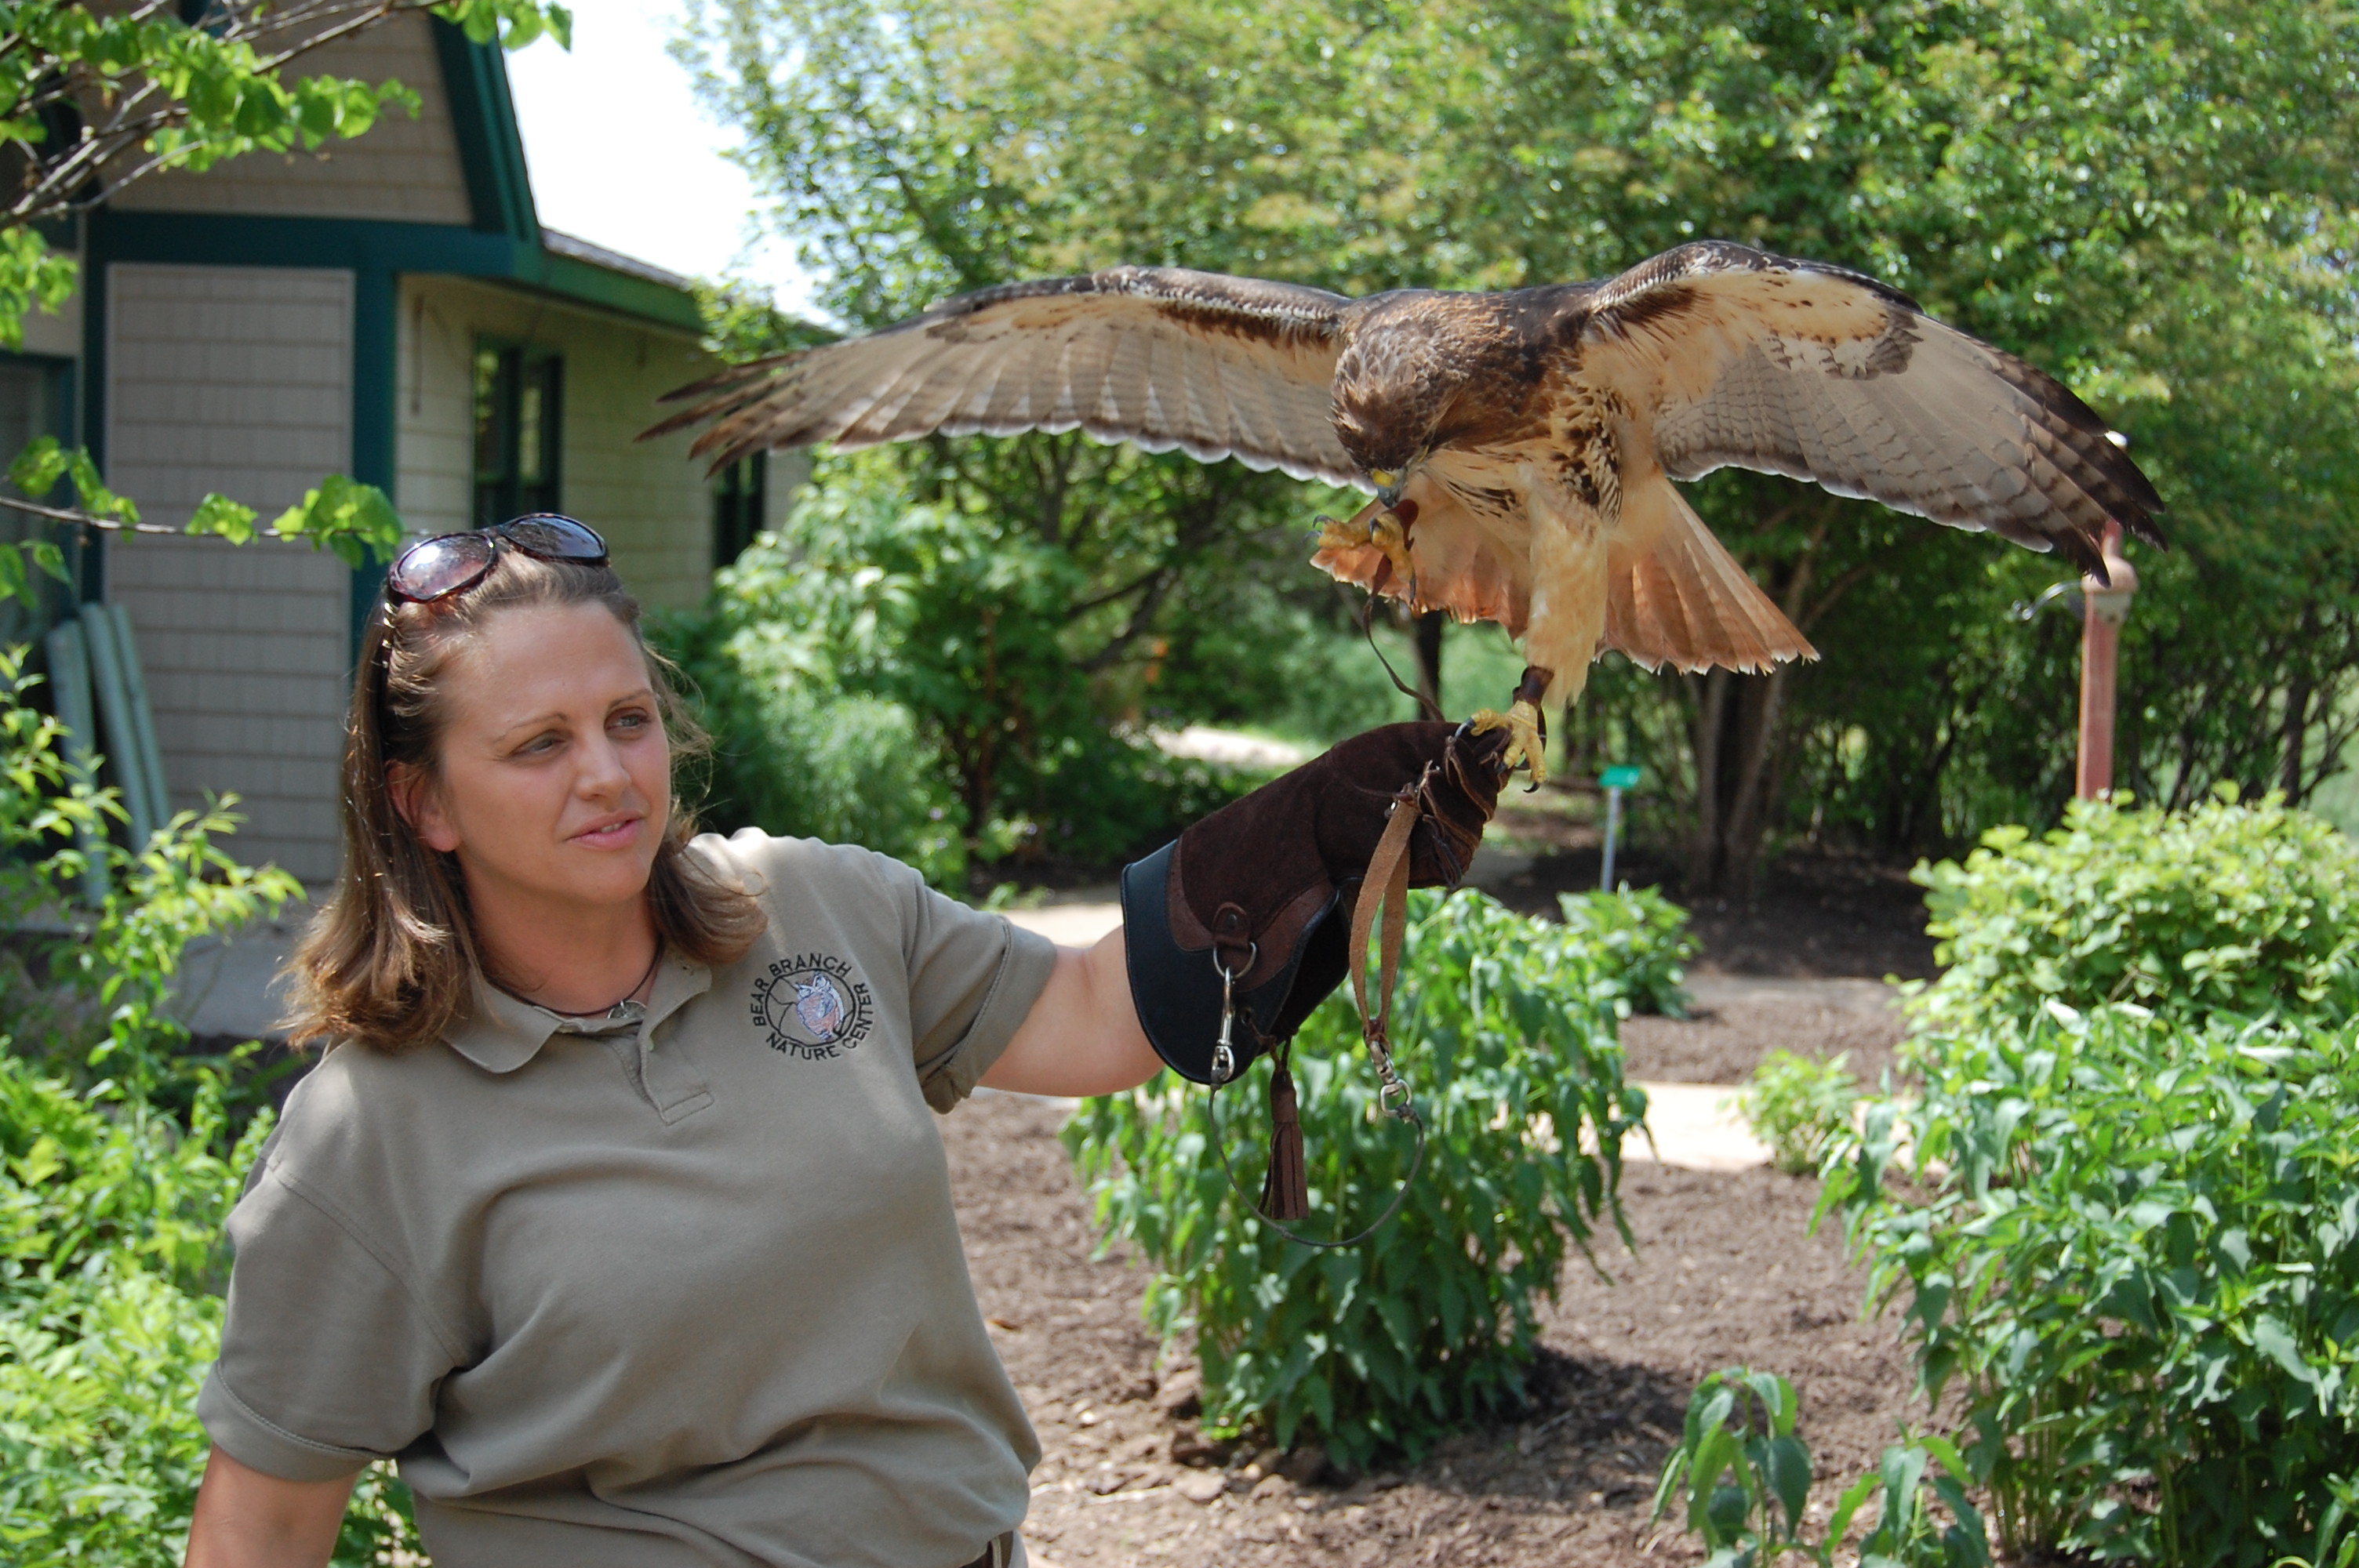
(405, 169)
(236, 380)
(647, 498)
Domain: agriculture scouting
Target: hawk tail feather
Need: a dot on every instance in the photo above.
(1675, 596)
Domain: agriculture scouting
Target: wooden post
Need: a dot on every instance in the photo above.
(2104, 607)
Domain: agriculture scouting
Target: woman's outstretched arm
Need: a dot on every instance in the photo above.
(249, 1519)
(1082, 1036)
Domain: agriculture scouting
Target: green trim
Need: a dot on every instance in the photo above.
(236, 239)
(639, 297)
(375, 389)
(90, 569)
(491, 148)
(230, 239)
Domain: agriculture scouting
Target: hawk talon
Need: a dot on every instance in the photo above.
(1386, 532)
(1526, 742)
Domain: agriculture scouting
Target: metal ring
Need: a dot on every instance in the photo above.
(1253, 956)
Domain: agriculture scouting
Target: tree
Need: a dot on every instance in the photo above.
(93, 97)
(2155, 202)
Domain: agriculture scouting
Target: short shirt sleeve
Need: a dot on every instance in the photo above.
(328, 1360)
(974, 977)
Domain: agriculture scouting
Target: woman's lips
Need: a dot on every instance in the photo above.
(615, 834)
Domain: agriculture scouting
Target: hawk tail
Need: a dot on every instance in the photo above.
(1675, 596)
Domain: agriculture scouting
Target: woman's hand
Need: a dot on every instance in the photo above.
(247, 1520)
(1082, 1036)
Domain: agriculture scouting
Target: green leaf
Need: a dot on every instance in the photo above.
(1788, 1474)
(346, 516)
(218, 514)
(38, 468)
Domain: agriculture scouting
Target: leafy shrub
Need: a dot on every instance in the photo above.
(119, 1161)
(2132, 1244)
(2244, 909)
(895, 674)
(107, 1322)
(1797, 1107)
(794, 754)
(1745, 1476)
(1505, 1027)
(1645, 942)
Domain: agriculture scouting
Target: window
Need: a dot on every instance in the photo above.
(739, 491)
(33, 397)
(519, 415)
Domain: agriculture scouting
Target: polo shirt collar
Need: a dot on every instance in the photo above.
(501, 1032)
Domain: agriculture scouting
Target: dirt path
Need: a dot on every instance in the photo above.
(1725, 1274)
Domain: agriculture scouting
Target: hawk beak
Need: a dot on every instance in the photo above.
(1388, 486)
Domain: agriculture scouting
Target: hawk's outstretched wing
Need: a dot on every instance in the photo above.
(1753, 360)
(1160, 357)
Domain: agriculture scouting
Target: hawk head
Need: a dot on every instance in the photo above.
(1394, 387)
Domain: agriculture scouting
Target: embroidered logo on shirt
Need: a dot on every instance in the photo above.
(812, 1006)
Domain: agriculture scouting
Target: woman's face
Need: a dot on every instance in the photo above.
(555, 778)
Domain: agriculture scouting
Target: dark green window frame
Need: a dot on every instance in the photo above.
(519, 430)
(740, 495)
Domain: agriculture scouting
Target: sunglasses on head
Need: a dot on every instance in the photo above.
(453, 563)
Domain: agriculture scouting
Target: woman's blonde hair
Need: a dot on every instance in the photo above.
(389, 961)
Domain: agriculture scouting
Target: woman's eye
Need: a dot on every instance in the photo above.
(634, 721)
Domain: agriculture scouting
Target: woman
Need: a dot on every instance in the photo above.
(616, 1211)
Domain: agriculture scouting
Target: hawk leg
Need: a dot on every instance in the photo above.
(1526, 725)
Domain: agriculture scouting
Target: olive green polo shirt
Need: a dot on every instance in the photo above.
(681, 1286)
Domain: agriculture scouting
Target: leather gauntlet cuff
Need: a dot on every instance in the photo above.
(1262, 889)
(1178, 991)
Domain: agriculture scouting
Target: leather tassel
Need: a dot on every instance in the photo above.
(1286, 1192)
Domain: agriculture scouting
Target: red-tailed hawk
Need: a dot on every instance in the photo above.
(1520, 445)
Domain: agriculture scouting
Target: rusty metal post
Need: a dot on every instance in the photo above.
(2106, 607)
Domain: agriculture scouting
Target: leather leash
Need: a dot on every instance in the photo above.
(1381, 910)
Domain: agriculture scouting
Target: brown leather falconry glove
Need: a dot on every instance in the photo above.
(1264, 887)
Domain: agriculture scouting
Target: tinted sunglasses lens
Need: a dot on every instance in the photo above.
(557, 539)
(439, 567)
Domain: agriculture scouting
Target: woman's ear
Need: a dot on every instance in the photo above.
(420, 805)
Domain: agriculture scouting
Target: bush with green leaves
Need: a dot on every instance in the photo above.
(119, 1160)
(1743, 1473)
(1646, 941)
(2127, 1246)
(895, 675)
(1506, 1033)
(2247, 909)
(1798, 1107)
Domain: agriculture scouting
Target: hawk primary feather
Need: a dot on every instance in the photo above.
(1525, 441)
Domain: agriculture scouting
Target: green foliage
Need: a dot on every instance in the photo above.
(163, 895)
(2225, 907)
(1744, 1474)
(120, 1157)
(793, 754)
(2130, 1244)
(1505, 1026)
(2153, 206)
(1798, 1107)
(1645, 941)
(873, 649)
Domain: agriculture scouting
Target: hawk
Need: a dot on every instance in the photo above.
(1521, 445)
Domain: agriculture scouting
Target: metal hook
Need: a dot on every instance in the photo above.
(1224, 1056)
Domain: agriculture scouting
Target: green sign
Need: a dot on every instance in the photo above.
(1623, 777)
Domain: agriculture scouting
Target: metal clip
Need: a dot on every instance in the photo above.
(1224, 1056)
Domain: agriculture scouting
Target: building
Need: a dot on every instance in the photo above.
(389, 308)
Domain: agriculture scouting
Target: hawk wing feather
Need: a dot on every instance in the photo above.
(1754, 361)
(1160, 357)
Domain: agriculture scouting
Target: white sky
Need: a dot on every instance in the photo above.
(623, 155)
